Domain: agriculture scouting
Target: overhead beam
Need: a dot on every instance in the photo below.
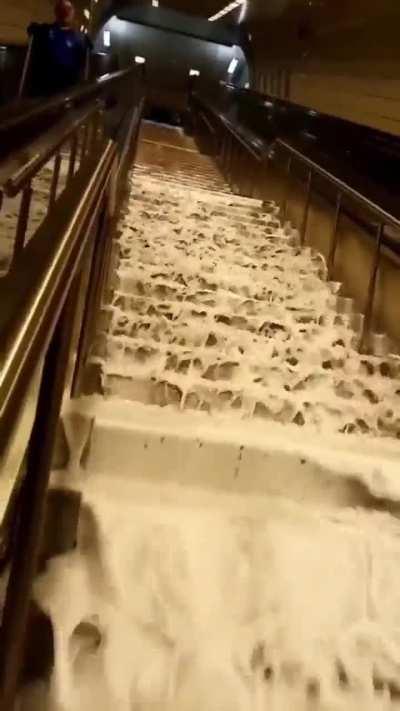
(181, 23)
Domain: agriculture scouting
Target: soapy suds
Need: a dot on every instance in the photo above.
(181, 598)
(217, 308)
(10, 210)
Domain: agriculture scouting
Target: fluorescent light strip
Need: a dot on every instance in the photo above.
(107, 38)
(225, 10)
(233, 65)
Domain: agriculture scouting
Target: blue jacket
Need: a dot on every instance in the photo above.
(58, 58)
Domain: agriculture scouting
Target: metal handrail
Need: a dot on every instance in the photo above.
(21, 113)
(21, 167)
(48, 303)
(68, 128)
(383, 218)
(258, 155)
(21, 324)
(342, 187)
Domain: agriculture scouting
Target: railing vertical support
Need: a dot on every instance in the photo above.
(335, 236)
(54, 180)
(72, 157)
(31, 515)
(287, 191)
(229, 159)
(307, 204)
(85, 136)
(23, 219)
(369, 307)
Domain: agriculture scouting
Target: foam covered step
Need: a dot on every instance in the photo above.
(219, 310)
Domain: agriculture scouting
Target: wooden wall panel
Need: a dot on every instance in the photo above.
(342, 58)
(374, 102)
(15, 17)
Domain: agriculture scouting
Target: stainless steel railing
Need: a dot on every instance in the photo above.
(50, 294)
(248, 165)
(342, 190)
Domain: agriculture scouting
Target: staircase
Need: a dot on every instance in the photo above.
(217, 309)
(239, 541)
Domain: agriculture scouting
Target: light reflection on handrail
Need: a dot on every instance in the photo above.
(340, 185)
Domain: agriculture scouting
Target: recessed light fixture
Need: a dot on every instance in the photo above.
(225, 10)
(140, 60)
(233, 65)
(194, 73)
(107, 38)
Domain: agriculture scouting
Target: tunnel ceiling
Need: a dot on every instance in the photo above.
(201, 8)
(285, 29)
(205, 8)
(259, 12)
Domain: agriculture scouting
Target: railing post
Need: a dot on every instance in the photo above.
(368, 314)
(234, 166)
(23, 219)
(335, 236)
(229, 158)
(29, 530)
(72, 157)
(54, 180)
(85, 136)
(98, 270)
(307, 204)
(222, 158)
(288, 184)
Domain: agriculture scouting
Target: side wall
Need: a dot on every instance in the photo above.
(341, 57)
(169, 58)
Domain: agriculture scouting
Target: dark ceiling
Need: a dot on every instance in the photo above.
(201, 8)
(256, 10)
(204, 8)
(291, 29)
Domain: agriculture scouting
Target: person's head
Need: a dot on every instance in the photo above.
(64, 12)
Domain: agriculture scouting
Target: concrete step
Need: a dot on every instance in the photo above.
(155, 445)
(164, 184)
(220, 310)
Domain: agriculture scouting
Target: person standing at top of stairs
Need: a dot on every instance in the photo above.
(59, 53)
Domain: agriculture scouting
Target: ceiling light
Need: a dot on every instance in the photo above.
(140, 60)
(107, 38)
(194, 73)
(155, 3)
(82, 27)
(86, 13)
(233, 65)
(228, 8)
